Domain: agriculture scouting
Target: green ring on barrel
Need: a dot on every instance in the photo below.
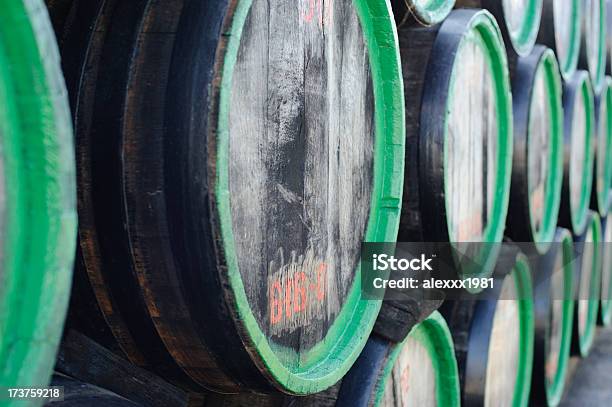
(349, 332)
(554, 390)
(522, 280)
(604, 199)
(434, 335)
(598, 77)
(585, 341)
(580, 216)
(554, 182)
(569, 65)
(524, 41)
(483, 24)
(432, 12)
(41, 207)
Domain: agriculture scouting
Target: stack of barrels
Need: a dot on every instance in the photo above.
(228, 159)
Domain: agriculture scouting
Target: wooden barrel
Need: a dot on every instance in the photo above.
(458, 132)
(494, 341)
(609, 37)
(422, 12)
(234, 207)
(579, 130)
(519, 20)
(601, 199)
(561, 30)
(537, 163)
(37, 196)
(554, 312)
(587, 281)
(606, 272)
(593, 52)
(420, 371)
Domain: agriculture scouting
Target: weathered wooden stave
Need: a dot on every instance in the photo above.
(37, 196)
(535, 190)
(519, 25)
(593, 43)
(587, 282)
(472, 323)
(606, 272)
(414, 11)
(601, 200)
(578, 106)
(428, 88)
(553, 312)
(561, 30)
(148, 226)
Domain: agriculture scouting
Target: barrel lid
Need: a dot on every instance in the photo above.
(606, 272)
(603, 150)
(40, 231)
(325, 363)
(593, 49)
(522, 22)
(430, 12)
(579, 127)
(435, 338)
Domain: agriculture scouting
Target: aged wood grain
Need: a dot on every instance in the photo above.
(301, 146)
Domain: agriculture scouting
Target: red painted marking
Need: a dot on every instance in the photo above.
(324, 12)
(276, 310)
(321, 271)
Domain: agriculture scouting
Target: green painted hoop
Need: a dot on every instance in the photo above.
(484, 25)
(554, 182)
(602, 181)
(41, 225)
(432, 12)
(522, 279)
(569, 65)
(585, 341)
(524, 40)
(598, 74)
(554, 389)
(327, 362)
(434, 335)
(580, 216)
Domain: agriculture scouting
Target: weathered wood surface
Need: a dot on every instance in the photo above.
(300, 176)
(87, 361)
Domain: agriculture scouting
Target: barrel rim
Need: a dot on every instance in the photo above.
(585, 341)
(554, 390)
(355, 321)
(580, 86)
(523, 42)
(483, 23)
(433, 333)
(46, 199)
(606, 304)
(542, 240)
(433, 13)
(603, 198)
(597, 74)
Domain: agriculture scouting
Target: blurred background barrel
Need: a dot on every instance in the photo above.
(606, 271)
(37, 197)
(420, 371)
(235, 208)
(561, 30)
(579, 131)
(588, 285)
(494, 340)
(553, 312)
(593, 52)
(458, 134)
(421, 12)
(601, 200)
(537, 161)
(519, 21)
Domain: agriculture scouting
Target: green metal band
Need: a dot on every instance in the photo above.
(484, 26)
(434, 335)
(433, 12)
(603, 194)
(554, 390)
(554, 181)
(579, 217)
(602, 52)
(569, 65)
(524, 40)
(585, 341)
(41, 224)
(522, 281)
(326, 363)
